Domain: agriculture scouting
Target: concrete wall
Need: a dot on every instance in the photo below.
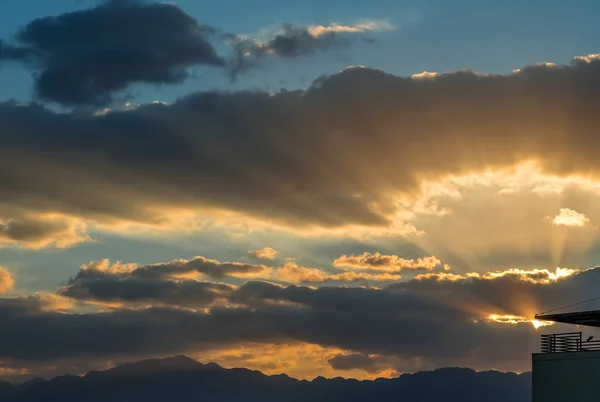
(566, 377)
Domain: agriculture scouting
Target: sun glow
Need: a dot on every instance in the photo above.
(515, 319)
(538, 323)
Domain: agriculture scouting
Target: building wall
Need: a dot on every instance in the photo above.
(566, 377)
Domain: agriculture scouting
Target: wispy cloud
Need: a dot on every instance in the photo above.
(370, 25)
(292, 42)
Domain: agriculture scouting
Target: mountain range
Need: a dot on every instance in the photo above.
(181, 379)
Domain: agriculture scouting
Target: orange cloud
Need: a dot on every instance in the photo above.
(543, 276)
(533, 275)
(298, 360)
(39, 231)
(293, 273)
(104, 265)
(181, 268)
(6, 280)
(386, 263)
(266, 253)
(444, 276)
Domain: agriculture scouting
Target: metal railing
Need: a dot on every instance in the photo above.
(567, 342)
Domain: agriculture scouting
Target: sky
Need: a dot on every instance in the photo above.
(341, 188)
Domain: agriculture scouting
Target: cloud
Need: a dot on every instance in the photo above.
(181, 268)
(37, 302)
(318, 30)
(407, 326)
(88, 57)
(295, 42)
(14, 53)
(266, 253)
(6, 280)
(43, 231)
(321, 319)
(360, 361)
(569, 217)
(299, 360)
(175, 283)
(424, 75)
(112, 290)
(590, 58)
(84, 57)
(182, 283)
(292, 273)
(386, 263)
(142, 164)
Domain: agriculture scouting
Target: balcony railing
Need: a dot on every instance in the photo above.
(567, 342)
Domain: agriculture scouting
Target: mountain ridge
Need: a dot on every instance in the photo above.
(181, 379)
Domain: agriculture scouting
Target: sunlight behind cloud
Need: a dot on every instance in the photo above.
(538, 323)
(569, 217)
(515, 319)
(299, 360)
(497, 216)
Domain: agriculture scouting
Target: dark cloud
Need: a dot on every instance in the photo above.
(158, 284)
(475, 296)
(517, 293)
(198, 266)
(323, 157)
(38, 232)
(14, 53)
(86, 56)
(291, 43)
(409, 326)
(46, 336)
(173, 269)
(119, 332)
(142, 292)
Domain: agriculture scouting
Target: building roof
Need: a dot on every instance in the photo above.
(587, 318)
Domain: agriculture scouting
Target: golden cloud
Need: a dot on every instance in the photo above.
(292, 273)
(515, 319)
(542, 276)
(266, 253)
(6, 280)
(386, 263)
(180, 268)
(298, 360)
(39, 231)
(105, 265)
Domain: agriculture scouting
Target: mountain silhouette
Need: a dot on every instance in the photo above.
(181, 379)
